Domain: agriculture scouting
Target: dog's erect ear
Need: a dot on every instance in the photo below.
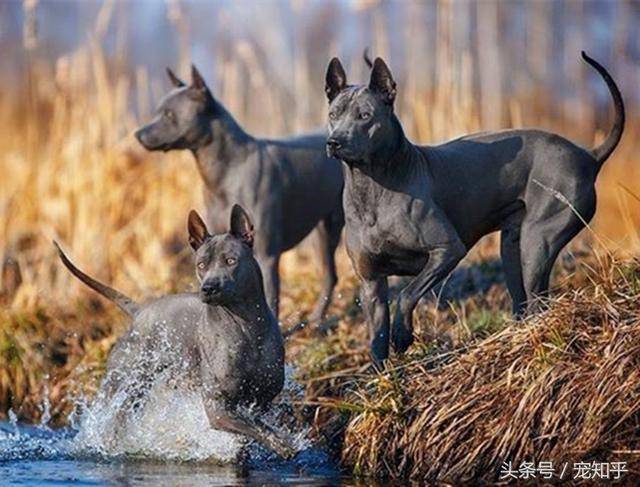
(336, 79)
(175, 81)
(382, 81)
(198, 232)
(197, 81)
(241, 226)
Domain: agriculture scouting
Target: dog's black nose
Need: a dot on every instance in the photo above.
(333, 145)
(210, 287)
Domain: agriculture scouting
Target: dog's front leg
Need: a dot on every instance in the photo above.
(223, 418)
(442, 260)
(374, 298)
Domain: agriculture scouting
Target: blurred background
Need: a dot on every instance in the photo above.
(79, 76)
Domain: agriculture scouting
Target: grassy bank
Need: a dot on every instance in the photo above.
(562, 386)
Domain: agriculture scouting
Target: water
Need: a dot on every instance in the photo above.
(37, 455)
(168, 442)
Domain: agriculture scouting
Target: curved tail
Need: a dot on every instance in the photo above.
(127, 305)
(604, 150)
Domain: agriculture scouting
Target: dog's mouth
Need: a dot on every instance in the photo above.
(152, 145)
(210, 297)
(341, 154)
(347, 157)
(216, 298)
(333, 152)
(164, 147)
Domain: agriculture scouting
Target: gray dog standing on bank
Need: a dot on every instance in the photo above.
(289, 186)
(417, 210)
(223, 341)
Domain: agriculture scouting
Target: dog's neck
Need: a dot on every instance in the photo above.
(227, 145)
(390, 167)
(251, 314)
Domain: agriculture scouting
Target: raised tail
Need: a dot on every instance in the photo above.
(604, 150)
(127, 305)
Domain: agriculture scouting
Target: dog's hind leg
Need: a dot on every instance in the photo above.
(541, 241)
(511, 262)
(328, 237)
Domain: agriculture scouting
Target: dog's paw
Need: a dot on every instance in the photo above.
(282, 447)
(286, 451)
(401, 339)
(379, 351)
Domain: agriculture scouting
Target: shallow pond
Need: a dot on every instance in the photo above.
(37, 455)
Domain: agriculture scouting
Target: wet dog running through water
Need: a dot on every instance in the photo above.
(224, 340)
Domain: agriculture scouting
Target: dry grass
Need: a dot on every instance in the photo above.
(54, 355)
(563, 386)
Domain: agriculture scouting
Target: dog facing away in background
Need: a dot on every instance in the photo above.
(288, 186)
(417, 210)
(223, 341)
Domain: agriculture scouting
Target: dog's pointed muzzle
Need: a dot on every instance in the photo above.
(333, 147)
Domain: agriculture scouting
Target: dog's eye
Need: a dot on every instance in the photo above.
(201, 265)
(231, 261)
(333, 116)
(364, 115)
(168, 114)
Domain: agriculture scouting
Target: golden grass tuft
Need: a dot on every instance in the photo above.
(563, 386)
(54, 356)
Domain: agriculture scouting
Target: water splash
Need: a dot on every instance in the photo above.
(169, 438)
(13, 419)
(151, 412)
(153, 406)
(45, 406)
(172, 425)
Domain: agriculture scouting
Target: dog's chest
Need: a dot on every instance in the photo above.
(384, 241)
(361, 203)
(385, 227)
(234, 365)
